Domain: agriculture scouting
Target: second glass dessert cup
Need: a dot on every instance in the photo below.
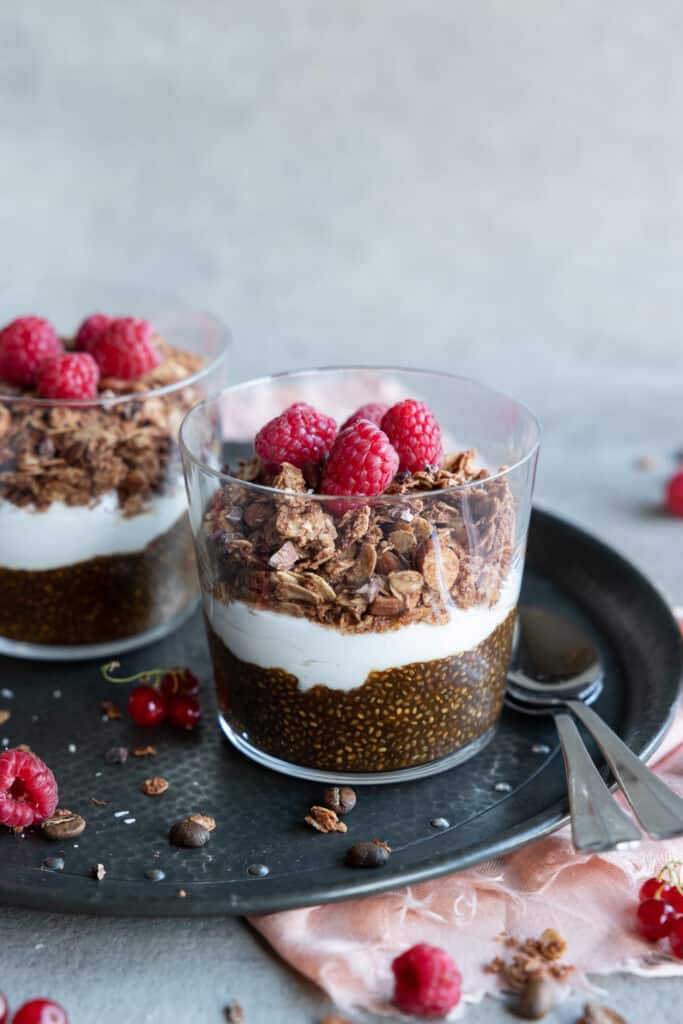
(361, 639)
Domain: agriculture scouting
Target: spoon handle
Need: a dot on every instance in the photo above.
(598, 823)
(658, 808)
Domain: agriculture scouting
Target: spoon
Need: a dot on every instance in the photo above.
(558, 669)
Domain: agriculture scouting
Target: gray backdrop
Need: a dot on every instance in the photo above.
(489, 187)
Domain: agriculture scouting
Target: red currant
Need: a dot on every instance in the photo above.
(184, 712)
(650, 889)
(4, 1010)
(146, 706)
(676, 938)
(674, 494)
(655, 918)
(673, 896)
(179, 681)
(40, 1011)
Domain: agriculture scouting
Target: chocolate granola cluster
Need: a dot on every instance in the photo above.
(76, 454)
(366, 565)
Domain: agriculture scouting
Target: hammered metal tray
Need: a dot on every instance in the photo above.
(509, 794)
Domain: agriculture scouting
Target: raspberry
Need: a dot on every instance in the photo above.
(126, 349)
(72, 375)
(24, 345)
(90, 330)
(28, 790)
(40, 1011)
(373, 411)
(415, 434)
(298, 435)
(426, 981)
(361, 461)
(674, 494)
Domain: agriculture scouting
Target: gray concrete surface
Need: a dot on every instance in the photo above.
(493, 188)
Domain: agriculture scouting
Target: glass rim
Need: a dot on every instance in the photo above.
(224, 339)
(228, 478)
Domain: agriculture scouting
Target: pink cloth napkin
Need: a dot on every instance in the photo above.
(347, 948)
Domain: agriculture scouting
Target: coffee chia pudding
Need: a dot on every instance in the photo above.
(365, 633)
(95, 547)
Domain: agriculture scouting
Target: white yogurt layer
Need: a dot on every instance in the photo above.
(321, 654)
(67, 534)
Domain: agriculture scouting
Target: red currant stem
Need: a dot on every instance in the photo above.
(672, 869)
(140, 677)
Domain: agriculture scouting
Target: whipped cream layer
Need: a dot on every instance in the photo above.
(324, 655)
(68, 534)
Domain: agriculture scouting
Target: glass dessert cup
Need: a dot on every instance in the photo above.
(361, 639)
(96, 554)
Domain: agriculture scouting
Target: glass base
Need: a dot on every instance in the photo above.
(299, 771)
(73, 652)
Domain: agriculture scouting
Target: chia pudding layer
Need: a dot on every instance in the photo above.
(109, 597)
(363, 636)
(395, 719)
(95, 544)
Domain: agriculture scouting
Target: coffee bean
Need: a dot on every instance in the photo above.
(188, 833)
(155, 874)
(340, 799)
(536, 999)
(154, 786)
(63, 825)
(116, 755)
(368, 855)
(54, 863)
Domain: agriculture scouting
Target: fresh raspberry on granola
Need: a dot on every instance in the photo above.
(126, 348)
(415, 434)
(373, 411)
(299, 435)
(71, 375)
(90, 330)
(25, 344)
(28, 789)
(361, 461)
(426, 982)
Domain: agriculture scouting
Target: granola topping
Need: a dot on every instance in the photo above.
(371, 565)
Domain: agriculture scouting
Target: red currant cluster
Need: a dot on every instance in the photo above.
(660, 914)
(164, 695)
(37, 1011)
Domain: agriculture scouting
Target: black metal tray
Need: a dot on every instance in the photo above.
(509, 794)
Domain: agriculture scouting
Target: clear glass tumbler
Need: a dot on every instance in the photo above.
(96, 554)
(362, 639)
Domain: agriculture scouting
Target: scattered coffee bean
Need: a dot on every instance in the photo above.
(98, 803)
(234, 1014)
(98, 872)
(5, 715)
(595, 1014)
(63, 825)
(536, 999)
(181, 894)
(155, 874)
(204, 820)
(116, 755)
(368, 855)
(154, 786)
(340, 799)
(54, 863)
(189, 833)
(324, 820)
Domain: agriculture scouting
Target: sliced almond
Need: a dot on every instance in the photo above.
(406, 582)
(438, 564)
